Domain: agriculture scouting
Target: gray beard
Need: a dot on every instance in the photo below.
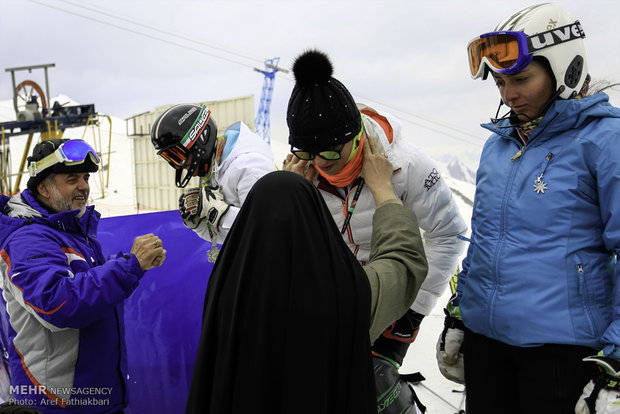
(58, 203)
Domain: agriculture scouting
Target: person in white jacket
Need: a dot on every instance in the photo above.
(186, 136)
(327, 130)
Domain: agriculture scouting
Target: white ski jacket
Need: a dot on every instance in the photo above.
(248, 160)
(417, 182)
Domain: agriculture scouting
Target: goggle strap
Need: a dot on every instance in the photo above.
(553, 37)
(41, 165)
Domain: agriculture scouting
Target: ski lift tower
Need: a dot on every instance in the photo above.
(34, 115)
(262, 122)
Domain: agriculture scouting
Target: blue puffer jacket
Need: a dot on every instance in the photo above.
(546, 230)
(64, 302)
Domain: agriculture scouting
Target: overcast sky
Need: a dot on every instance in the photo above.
(407, 57)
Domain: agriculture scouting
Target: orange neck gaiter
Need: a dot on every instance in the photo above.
(351, 170)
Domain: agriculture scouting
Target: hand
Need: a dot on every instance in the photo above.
(406, 328)
(377, 172)
(297, 165)
(395, 340)
(449, 345)
(149, 251)
(189, 207)
(195, 205)
(602, 395)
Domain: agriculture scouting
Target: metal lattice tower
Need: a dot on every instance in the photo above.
(263, 126)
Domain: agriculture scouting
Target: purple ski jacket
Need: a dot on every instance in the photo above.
(63, 304)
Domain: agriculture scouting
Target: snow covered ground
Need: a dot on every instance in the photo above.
(440, 395)
(118, 198)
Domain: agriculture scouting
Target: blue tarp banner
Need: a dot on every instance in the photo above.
(163, 316)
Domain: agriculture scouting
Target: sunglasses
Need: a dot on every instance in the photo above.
(329, 155)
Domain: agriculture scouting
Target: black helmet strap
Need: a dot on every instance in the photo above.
(513, 116)
(199, 161)
(182, 182)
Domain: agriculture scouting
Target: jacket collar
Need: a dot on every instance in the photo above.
(26, 206)
(563, 114)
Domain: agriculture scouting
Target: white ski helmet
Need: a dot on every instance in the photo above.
(551, 33)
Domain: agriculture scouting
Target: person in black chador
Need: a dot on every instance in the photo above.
(288, 308)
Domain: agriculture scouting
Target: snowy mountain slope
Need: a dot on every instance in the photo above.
(458, 170)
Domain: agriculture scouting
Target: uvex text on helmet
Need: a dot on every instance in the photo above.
(568, 59)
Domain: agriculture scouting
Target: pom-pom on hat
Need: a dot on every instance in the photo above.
(321, 111)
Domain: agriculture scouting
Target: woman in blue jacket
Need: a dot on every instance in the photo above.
(538, 288)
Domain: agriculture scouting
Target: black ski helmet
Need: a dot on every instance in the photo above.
(184, 130)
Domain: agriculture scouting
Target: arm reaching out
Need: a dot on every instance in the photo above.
(149, 251)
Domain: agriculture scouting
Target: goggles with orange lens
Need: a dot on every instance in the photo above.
(510, 52)
(175, 156)
(503, 52)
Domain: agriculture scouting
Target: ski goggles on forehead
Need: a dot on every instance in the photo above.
(74, 152)
(510, 52)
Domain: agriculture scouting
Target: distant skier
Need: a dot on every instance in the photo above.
(186, 136)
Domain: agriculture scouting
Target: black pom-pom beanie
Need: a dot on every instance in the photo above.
(321, 112)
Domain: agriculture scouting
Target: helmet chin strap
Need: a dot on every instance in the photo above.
(182, 182)
(510, 115)
(197, 162)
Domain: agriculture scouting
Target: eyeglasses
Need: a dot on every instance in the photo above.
(329, 155)
(510, 52)
(175, 156)
(73, 152)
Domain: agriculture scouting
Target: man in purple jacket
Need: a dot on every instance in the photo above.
(62, 296)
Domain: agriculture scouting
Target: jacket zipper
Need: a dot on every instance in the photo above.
(502, 234)
(581, 289)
